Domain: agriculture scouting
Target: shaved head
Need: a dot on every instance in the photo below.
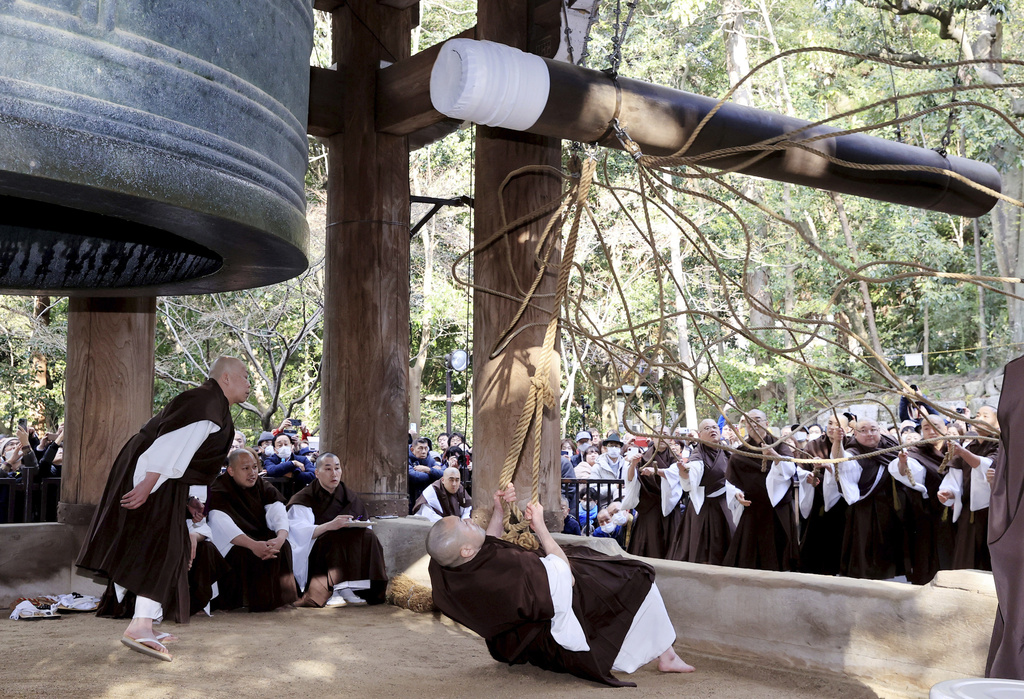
(867, 433)
(223, 365)
(232, 376)
(451, 480)
(444, 542)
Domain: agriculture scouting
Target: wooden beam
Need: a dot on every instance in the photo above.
(327, 5)
(332, 5)
(109, 379)
(433, 133)
(403, 92)
(326, 97)
(365, 370)
(501, 385)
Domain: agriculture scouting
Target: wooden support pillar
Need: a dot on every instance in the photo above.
(365, 372)
(500, 386)
(109, 387)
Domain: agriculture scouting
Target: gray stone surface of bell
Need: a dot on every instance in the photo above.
(152, 146)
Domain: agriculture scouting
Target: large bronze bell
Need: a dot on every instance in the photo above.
(152, 146)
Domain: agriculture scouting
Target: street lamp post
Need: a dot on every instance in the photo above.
(454, 361)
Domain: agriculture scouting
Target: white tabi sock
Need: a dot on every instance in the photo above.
(145, 608)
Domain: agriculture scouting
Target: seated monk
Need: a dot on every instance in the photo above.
(250, 529)
(444, 498)
(208, 566)
(572, 610)
(332, 557)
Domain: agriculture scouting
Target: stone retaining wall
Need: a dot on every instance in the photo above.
(898, 636)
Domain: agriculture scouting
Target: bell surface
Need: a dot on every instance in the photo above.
(152, 146)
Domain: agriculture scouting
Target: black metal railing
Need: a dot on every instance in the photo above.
(591, 495)
(29, 498)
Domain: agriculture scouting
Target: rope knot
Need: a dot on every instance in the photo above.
(543, 390)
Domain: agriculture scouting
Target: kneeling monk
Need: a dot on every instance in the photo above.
(575, 611)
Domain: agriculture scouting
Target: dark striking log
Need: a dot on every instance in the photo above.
(501, 385)
(551, 98)
(109, 394)
(365, 375)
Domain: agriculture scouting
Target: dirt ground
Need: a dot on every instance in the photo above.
(349, 652)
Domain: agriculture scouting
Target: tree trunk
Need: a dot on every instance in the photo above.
(426, 325)
(737, 61)
(982, 326)
(851, 245)
(926, 342)
(1008, 241)
(40, 365)
(685, 353)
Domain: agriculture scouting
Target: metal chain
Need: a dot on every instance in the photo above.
(585, 54)
(947, 137)
(892, 76)
(619, 37)
(568, 39)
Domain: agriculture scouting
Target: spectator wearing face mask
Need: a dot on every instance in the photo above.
(280, 461)
(613, 524)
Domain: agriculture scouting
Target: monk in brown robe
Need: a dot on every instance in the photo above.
(336, 559)
(658, 528)
(927, 526)
(707, 522)
(966, 489)
(444, 498)
(821, 541)
(138, 538)
(1006, 531)
(572, 610)
(873, 539)
(250, 529)
(766, 535)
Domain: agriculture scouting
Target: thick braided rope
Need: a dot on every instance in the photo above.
(541, 394)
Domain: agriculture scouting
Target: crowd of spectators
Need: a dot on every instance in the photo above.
(818, 483)
(848, 507)
(28, 456)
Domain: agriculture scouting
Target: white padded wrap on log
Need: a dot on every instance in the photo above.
(489, 83)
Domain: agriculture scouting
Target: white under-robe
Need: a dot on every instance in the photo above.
(829, 491)
(777, 482)
(981, 491)
(849, 477)
(301, 525)
(169, 455)
(224, 528)
(916, 469)
(430, 495)
(650, 633)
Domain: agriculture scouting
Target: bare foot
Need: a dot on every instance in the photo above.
(670, 662)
